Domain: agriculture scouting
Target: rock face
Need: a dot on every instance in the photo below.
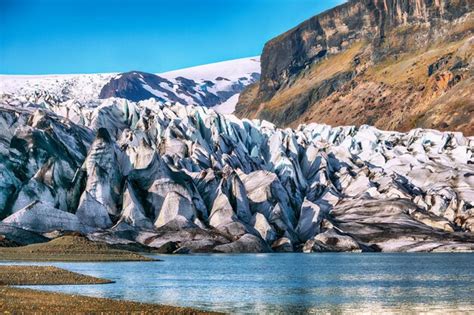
(394, 64)
(185, 179)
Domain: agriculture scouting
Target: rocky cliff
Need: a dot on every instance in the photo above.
(395, 64)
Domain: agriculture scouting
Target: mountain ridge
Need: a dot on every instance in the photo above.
(205, 85)
(393, 64)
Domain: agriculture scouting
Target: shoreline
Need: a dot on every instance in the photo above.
(22, 300)
(71, 248)
(45, 275)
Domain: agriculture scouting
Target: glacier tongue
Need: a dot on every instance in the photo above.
(185, 178)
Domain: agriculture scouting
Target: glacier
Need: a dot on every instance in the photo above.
(186, 179)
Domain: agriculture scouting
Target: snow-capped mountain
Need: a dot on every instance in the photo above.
(210, 85)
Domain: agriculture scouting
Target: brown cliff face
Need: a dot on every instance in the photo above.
(395, 64)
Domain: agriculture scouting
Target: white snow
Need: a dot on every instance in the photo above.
(228, 107)
(153, 91)
(232, 70)
(81, 87)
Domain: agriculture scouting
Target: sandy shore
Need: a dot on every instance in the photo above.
(43, 275)
(67, 248)
(27, 301)
(70, 248)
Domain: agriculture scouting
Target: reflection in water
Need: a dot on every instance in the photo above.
(290, 283)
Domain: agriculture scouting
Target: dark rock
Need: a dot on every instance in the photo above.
(282, 245)
(20, 236)
(167, 248)
(182, 251)
(248, 243)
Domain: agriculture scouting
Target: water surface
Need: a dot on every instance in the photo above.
(289, 283)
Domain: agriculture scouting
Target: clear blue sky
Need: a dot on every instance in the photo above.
(88, 36)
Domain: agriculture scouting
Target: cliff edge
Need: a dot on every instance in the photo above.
(394, 64)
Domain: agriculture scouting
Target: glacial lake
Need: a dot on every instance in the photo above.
(289, 283)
